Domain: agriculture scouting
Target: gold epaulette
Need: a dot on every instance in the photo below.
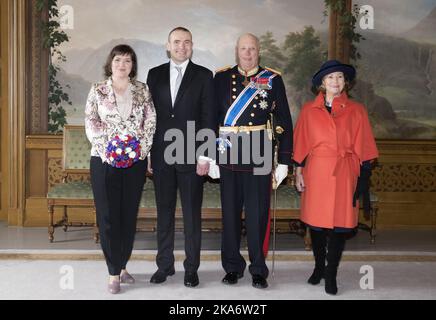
(272, 70)
(223, 69)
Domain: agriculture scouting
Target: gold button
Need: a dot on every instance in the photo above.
(234, 89)
(234, 97)
(254, 106)
(233, 76)
(234, 82)
(256, 97)
(250, 123)
(252, 114)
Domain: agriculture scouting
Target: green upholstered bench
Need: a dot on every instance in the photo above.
(287, 210)
(76, 154)
(75, 160)
(211, 209)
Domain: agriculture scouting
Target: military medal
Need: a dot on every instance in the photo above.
(247, 74)
(221, 147)
(263, 94)
(245, 82)
(223, 144)
(261, 83)
(263, 105)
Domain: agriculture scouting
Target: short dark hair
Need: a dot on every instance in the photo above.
(121, 49)
(178, 29)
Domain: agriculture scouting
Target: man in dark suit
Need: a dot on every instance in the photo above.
(182, 91)
(248, 98)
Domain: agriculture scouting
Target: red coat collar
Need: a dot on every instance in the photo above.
(340, 101)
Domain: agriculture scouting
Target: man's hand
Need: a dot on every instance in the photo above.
(149, 169)
(299, 180)
(281, 173)
(202, 167)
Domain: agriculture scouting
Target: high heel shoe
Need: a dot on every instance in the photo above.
(114, 287)
(126, 278)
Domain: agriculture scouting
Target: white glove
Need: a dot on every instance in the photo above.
(281, 173)
(214, 170)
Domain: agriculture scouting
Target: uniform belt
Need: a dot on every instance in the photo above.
(243, 128)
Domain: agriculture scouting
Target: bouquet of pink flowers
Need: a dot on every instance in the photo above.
(123, 151)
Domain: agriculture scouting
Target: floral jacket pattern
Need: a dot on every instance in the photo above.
(103, 120)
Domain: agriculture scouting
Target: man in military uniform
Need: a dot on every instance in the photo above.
(248, 98)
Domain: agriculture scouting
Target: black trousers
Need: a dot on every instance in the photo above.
(190, 185)
(239, 190)
(117, 193)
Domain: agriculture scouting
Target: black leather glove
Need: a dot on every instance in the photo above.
(362, 188)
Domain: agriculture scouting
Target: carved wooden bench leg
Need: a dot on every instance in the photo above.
(65, 219)
(307, 240)
(96, 232)
(50, 223)
(373, 231)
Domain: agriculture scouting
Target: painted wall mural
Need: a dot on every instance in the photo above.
(396, 72)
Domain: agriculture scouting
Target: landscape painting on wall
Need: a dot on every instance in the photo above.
(396, 71)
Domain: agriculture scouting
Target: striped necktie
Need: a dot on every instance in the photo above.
(178, 82)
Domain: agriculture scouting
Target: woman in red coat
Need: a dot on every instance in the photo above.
(332, 138)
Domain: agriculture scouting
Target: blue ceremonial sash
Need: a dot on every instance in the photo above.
(246, 96)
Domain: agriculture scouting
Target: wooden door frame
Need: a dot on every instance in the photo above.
(13, 113)
(3, 103)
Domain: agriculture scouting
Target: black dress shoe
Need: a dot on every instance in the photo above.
(259, 282)
(232, 278)
(161, 276)
(191, 279)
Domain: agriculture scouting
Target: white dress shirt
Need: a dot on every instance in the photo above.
(173, 76)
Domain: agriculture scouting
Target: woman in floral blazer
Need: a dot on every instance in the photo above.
(120, 121)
